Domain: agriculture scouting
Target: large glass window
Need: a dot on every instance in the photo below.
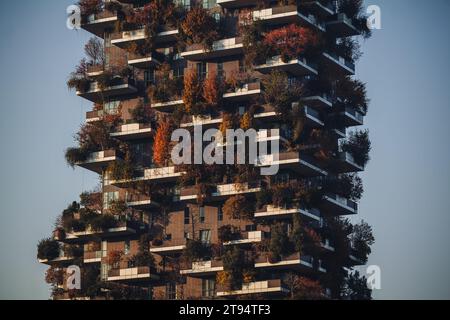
(205, 236)
(208, 287)
(111, 107)
(202, 214)
(109, 197)
(186, 215)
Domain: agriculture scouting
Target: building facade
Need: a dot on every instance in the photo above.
(154, 229)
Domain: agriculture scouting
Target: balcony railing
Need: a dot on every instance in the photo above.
(99, 22)
(203, 267)
(341, 26)
(298, 67)
(220, 48)
(338, 205)
(137, 273)
(169, 247)
(93, 256)
(339, 64)
(123, 39)
(99, 160)
(133, 131)
(92, 116)
(257, 287)
(269, 211)
(119, 86)
(247, 237)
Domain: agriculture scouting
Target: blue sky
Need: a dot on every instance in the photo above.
(407, 182)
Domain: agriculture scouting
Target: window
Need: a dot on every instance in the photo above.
(149, 77)
(208, 4)
(202, 70)
(220, 71)
(205, 236)
(171, 291)
(127, 247)
(241, 110)
(208, 287)
(111, 107)
(178, 71)
(184, 3)
(250, 227)
(186, 215)
(109, 197)
(104, 271)
(202, 214)
(219, 214)
(187, 235)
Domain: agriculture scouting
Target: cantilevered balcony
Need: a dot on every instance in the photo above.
(313, 118)
(221, 191)
(341, 26)
(247, 92)
(93, 116)
(97, 161)
(296, 67)
(292, 160)
(327, 245)
(236, 3)
(93, 256)
(336, 205)
(169, 247)
(95, 70)
(257, 287)
(247, 237)
(338, 64)
(99, 22)
(62, 259)
(133, 131)
(351, 117)
(123, 228)
(118, 87)
(132, 274)
(161, 174)
(271, 212)
(346, 163)
(321, 8)
(143, 62)
(202, 120)
(353, 258)
(141, 201)
(319, 101)
(287, 14)
(167, 106)
(221, 48)
(294, 261)
(125, 38)
(202, 268)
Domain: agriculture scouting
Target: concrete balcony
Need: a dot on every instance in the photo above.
(123, 229)
(133, 131)
(167, 106)
(313, 119)
(338, 206)
(236, 3)
(286, 15)
(292, 160)
(125, 38)
(221, 191)
(328, 246)
(203, 268)
(338, 64)
(93, 256)
(120, 87)
(272, 212)
(247, 237)
(320, 8)
(256, 287)
(143, 62)
(98, 161)
(346, 163)
(93, 116)
(205, 121)
(247, 92)
(319, 101)
(353, 258)
(340, 26)
(351, 117)
(296, 67)
(266, 112)
(99, 22)
(95, 70)
(132, 274)
(61, 260)
(140, 201)
(294, 261)
(221, 48)
(169, 247)
(162, 174)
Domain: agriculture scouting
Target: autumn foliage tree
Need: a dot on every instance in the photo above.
(238, 207)
(199, 27)
(212, 90)
(291, 41)
(193, 92)
(161, 145)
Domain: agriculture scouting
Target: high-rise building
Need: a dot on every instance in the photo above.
(157, 229)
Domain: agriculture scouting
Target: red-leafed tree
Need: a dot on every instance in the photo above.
(161, 145)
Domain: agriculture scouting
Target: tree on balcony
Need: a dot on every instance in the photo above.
(199, 27)
(355, 288)
(352, 93)
(362, 239)
(347, 185)
(161, 145)
(114, 258)
(238, 207)
(48, 249)
(142, 113)
(291, 42)
(212, 90)
(196, 250)
(354, 10)
(279, 245)
(236, 263)
(193, 93)
(143, 258)
(88, 7)
(359, 146)
(302, 288)
(165, 87)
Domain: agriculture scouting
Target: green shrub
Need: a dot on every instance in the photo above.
(48, 249)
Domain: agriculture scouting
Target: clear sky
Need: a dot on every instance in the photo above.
(407, 199)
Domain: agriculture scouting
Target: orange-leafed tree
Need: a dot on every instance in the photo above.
(161, 145)
(212, 90)
(199, 27)
(291, 41)
(192, 94)
(302, 288)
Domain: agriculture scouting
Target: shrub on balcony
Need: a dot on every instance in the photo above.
(227, 233)
(92, 200)
(346, 185)
(48, 249)
(303, 288)
(282, 195)
(114, 258)
(123, 170)
(358, 145)
(103, 222)
(354, 9)
(88, 7)
(143, 258)
(235, 264)
(255, 50)
(196, 251)
(142, 113)
(355, 287)
(291, 42)
(352, 93)
(213, 88)
(74, 251)
(279, 245)
(238, 207)
(54, 276)
(199, 27)
(193, 93)
(76, 155)
(165, 87)
(263, 197)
